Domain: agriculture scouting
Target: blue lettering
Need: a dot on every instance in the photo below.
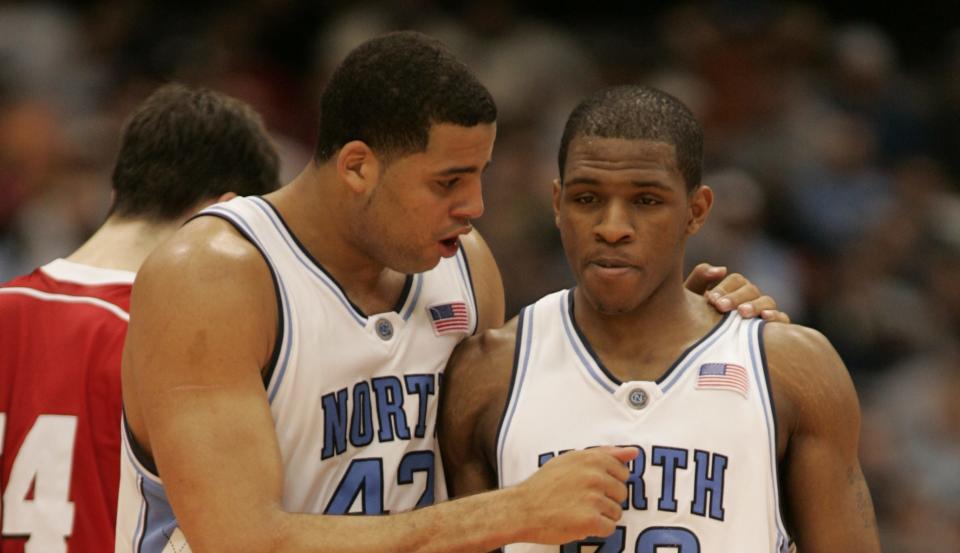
(613, 543)
(423, 386)
(712, 483)
(392, 417)
(364, 477)
(361, 425)
(678, 539)
(670, 458)
(418, 461)
(635, 486)
(334, 424)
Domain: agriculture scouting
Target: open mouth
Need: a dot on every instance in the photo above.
(449, 246)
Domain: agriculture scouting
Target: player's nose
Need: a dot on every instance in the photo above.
(470, 205)
(615, 224)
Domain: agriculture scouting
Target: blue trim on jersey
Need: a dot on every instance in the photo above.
(160, 522)
(517, 347)
(241, 225)
(524, 337)
(595, 367)
(585, 359)
(416, 297)
(310, 265)
(760, 373)
(693, 353)
(141, 517)
(467, 279)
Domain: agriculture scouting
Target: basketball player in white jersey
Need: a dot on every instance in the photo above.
(723, 410)
(283, 364)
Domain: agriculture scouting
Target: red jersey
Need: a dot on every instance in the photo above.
(61, 337)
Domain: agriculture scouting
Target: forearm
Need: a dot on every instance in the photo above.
(477, 523)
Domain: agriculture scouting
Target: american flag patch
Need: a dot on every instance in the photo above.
(723, 376)
(449, 318)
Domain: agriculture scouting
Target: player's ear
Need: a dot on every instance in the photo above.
(358, 166)
(699, 204)
(557, 193)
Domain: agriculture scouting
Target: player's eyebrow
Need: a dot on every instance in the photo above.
(587, 181)
(465, 170)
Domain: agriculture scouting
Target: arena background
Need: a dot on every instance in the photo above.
(833, 143)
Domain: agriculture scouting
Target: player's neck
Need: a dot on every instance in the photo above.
(123, 244)
(316, 218)
(642, 344)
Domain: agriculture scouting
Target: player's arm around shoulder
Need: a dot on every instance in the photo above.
(475, 391)
(827, 499)
(487, 282)
(202, 326)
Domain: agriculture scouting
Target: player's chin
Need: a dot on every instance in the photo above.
(413, 263)
(613, 306)
(611, 298)
(423, 265)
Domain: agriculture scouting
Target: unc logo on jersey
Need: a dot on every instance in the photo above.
(384, 329)
(637, 398)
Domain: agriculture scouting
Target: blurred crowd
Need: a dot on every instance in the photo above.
(836, 164)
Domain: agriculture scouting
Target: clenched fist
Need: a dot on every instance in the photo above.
(575, 495)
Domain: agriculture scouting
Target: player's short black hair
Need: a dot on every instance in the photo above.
(389, 91)
(184, 145)
(639, 113)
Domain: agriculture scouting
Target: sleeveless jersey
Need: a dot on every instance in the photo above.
(353, 397)
(61, 336)
(705, 480)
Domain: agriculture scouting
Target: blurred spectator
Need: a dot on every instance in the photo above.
(842, 191)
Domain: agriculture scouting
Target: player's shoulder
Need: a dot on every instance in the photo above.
(486, 347)
(802, 356)
(481, 360)
(204, 249)
(795, 338)
(807, 371)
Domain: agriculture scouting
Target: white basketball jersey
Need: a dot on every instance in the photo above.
(353, 397)
(706, 477)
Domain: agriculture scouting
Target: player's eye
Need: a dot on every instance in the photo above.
(449, 183)
(647, 199)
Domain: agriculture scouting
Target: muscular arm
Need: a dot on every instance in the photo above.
(202, 327)
(472, 402)
(829, 506)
